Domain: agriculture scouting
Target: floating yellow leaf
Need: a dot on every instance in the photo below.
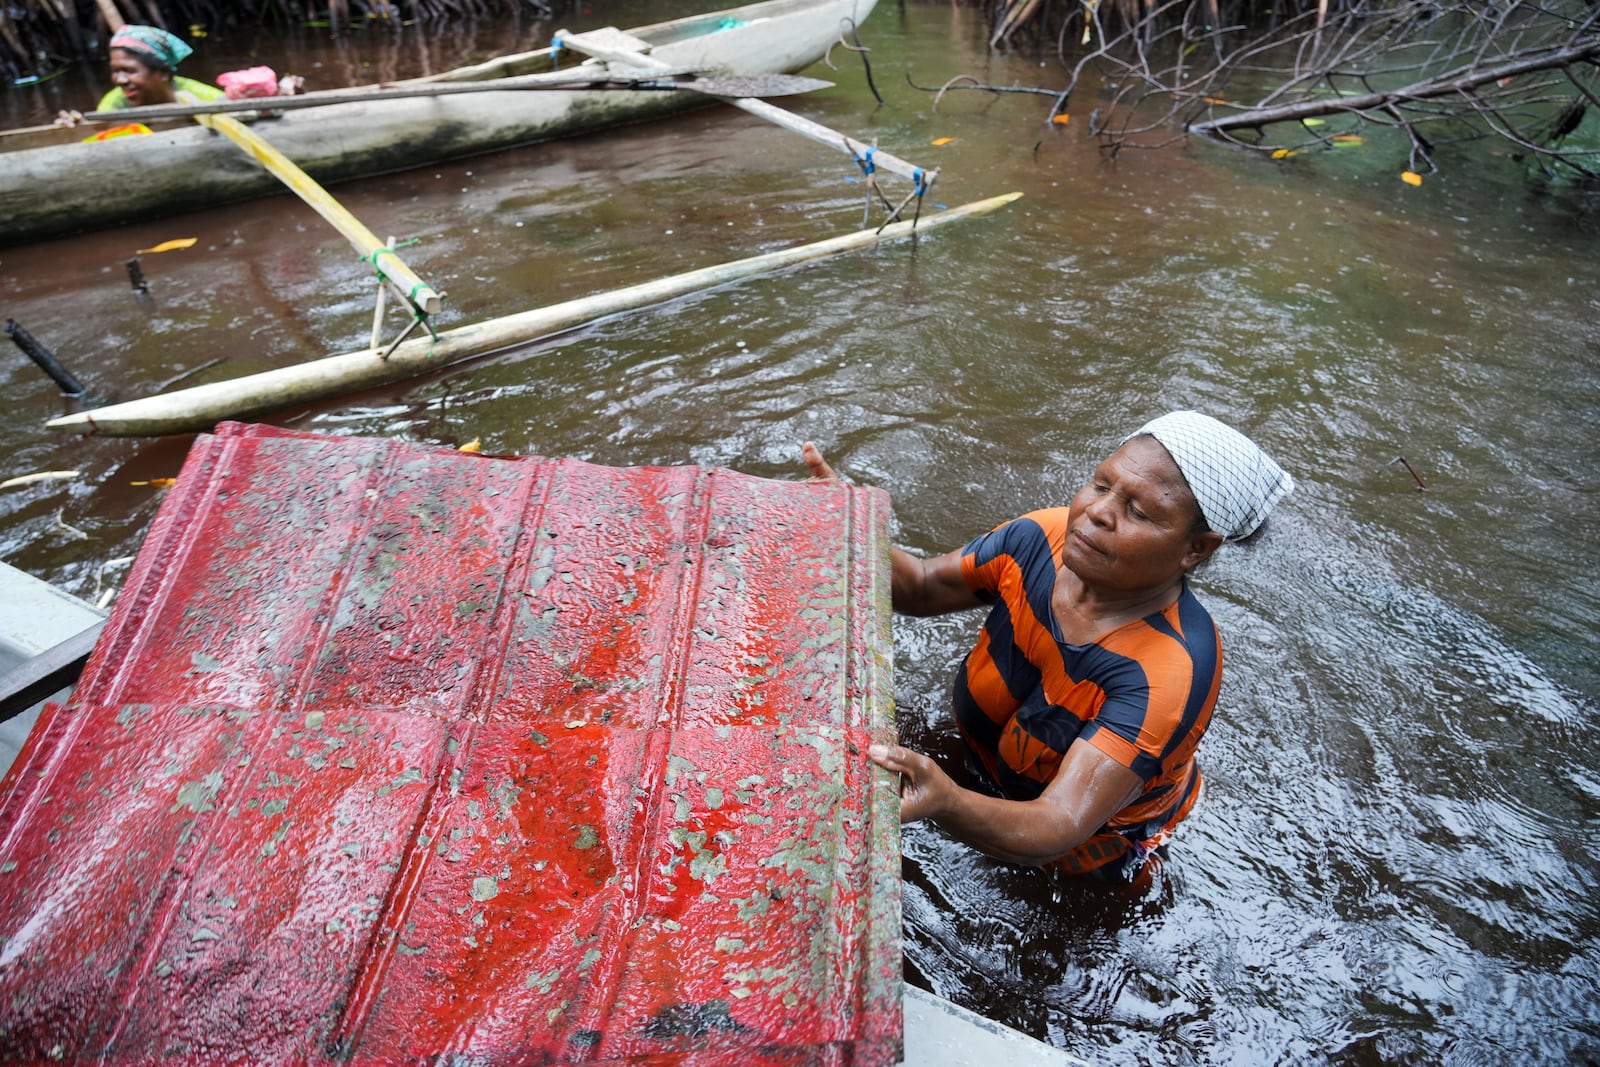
(474, 445)
(942, 140)
(196, 30)
(1213, 99)
(1313, 122)
(1346, 138)
(1411, 177)
(1060, 120)
(171, 246)
(1284, 153)
(159, 483)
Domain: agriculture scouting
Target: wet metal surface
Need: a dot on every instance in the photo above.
(396, 753)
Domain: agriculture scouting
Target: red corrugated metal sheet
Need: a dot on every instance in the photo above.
(391, 753)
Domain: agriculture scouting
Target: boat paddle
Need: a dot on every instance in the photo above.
(619, 50)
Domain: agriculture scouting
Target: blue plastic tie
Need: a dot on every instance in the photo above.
(916, 180)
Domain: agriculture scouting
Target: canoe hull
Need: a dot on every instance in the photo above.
(61, 188)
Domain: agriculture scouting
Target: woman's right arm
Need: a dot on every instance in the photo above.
(930, 586)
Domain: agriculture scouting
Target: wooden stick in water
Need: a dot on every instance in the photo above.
(833, 138)
(377, 312)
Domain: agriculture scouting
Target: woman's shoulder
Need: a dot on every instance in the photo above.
(1043, 527)
(1050, 520)
(1180, 637)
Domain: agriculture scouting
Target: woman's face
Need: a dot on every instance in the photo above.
(143, 85)
(1131, 525)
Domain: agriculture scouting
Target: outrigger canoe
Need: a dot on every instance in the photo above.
(66, 185)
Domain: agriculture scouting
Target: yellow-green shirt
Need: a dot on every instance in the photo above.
(187, 90)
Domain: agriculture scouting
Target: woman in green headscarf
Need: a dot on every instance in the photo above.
(144, 63)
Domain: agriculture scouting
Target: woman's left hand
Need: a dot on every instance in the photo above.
(820, 469)
(925, 790)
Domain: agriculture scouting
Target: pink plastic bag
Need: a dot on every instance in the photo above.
(250, 82)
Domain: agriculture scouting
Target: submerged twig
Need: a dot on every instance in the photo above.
(1402, 461)
(102, 599)
(953, 83)
(859, 48)
(190, 373)
(66, 527)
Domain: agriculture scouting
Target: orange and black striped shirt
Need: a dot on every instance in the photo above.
(1142, 694)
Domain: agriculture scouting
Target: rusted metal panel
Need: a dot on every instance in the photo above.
(391, 753)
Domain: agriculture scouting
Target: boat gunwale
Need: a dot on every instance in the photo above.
(658, 34)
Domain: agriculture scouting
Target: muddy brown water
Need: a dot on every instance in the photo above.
(1393, 861)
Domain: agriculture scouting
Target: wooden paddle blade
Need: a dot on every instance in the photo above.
(757, 85)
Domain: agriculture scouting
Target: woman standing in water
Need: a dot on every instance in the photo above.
(1096, 672)
(144, 65)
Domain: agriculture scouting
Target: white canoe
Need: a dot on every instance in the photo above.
(69, 185)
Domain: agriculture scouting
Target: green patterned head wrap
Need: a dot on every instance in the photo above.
(156, 47)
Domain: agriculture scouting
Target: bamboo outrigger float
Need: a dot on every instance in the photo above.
(203, 406)
(52, 183)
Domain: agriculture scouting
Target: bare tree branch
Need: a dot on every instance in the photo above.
(1525, 71)
(1450, 84)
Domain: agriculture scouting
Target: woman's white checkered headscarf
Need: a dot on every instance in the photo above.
(1234, 482)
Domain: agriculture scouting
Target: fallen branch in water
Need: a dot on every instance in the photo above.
(1401, 108)
(954, 84)
(1441, 73)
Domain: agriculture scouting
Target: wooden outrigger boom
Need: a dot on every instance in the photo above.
(617, 49)
(390, 267)
(201, 407)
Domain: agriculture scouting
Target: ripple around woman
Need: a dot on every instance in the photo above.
(1095, 674)
(144, 64)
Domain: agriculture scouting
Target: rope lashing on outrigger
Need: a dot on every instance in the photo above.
(419, 317)
(921, 181)
(869, 170)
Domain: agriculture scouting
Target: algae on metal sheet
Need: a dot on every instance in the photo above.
(306, 804)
